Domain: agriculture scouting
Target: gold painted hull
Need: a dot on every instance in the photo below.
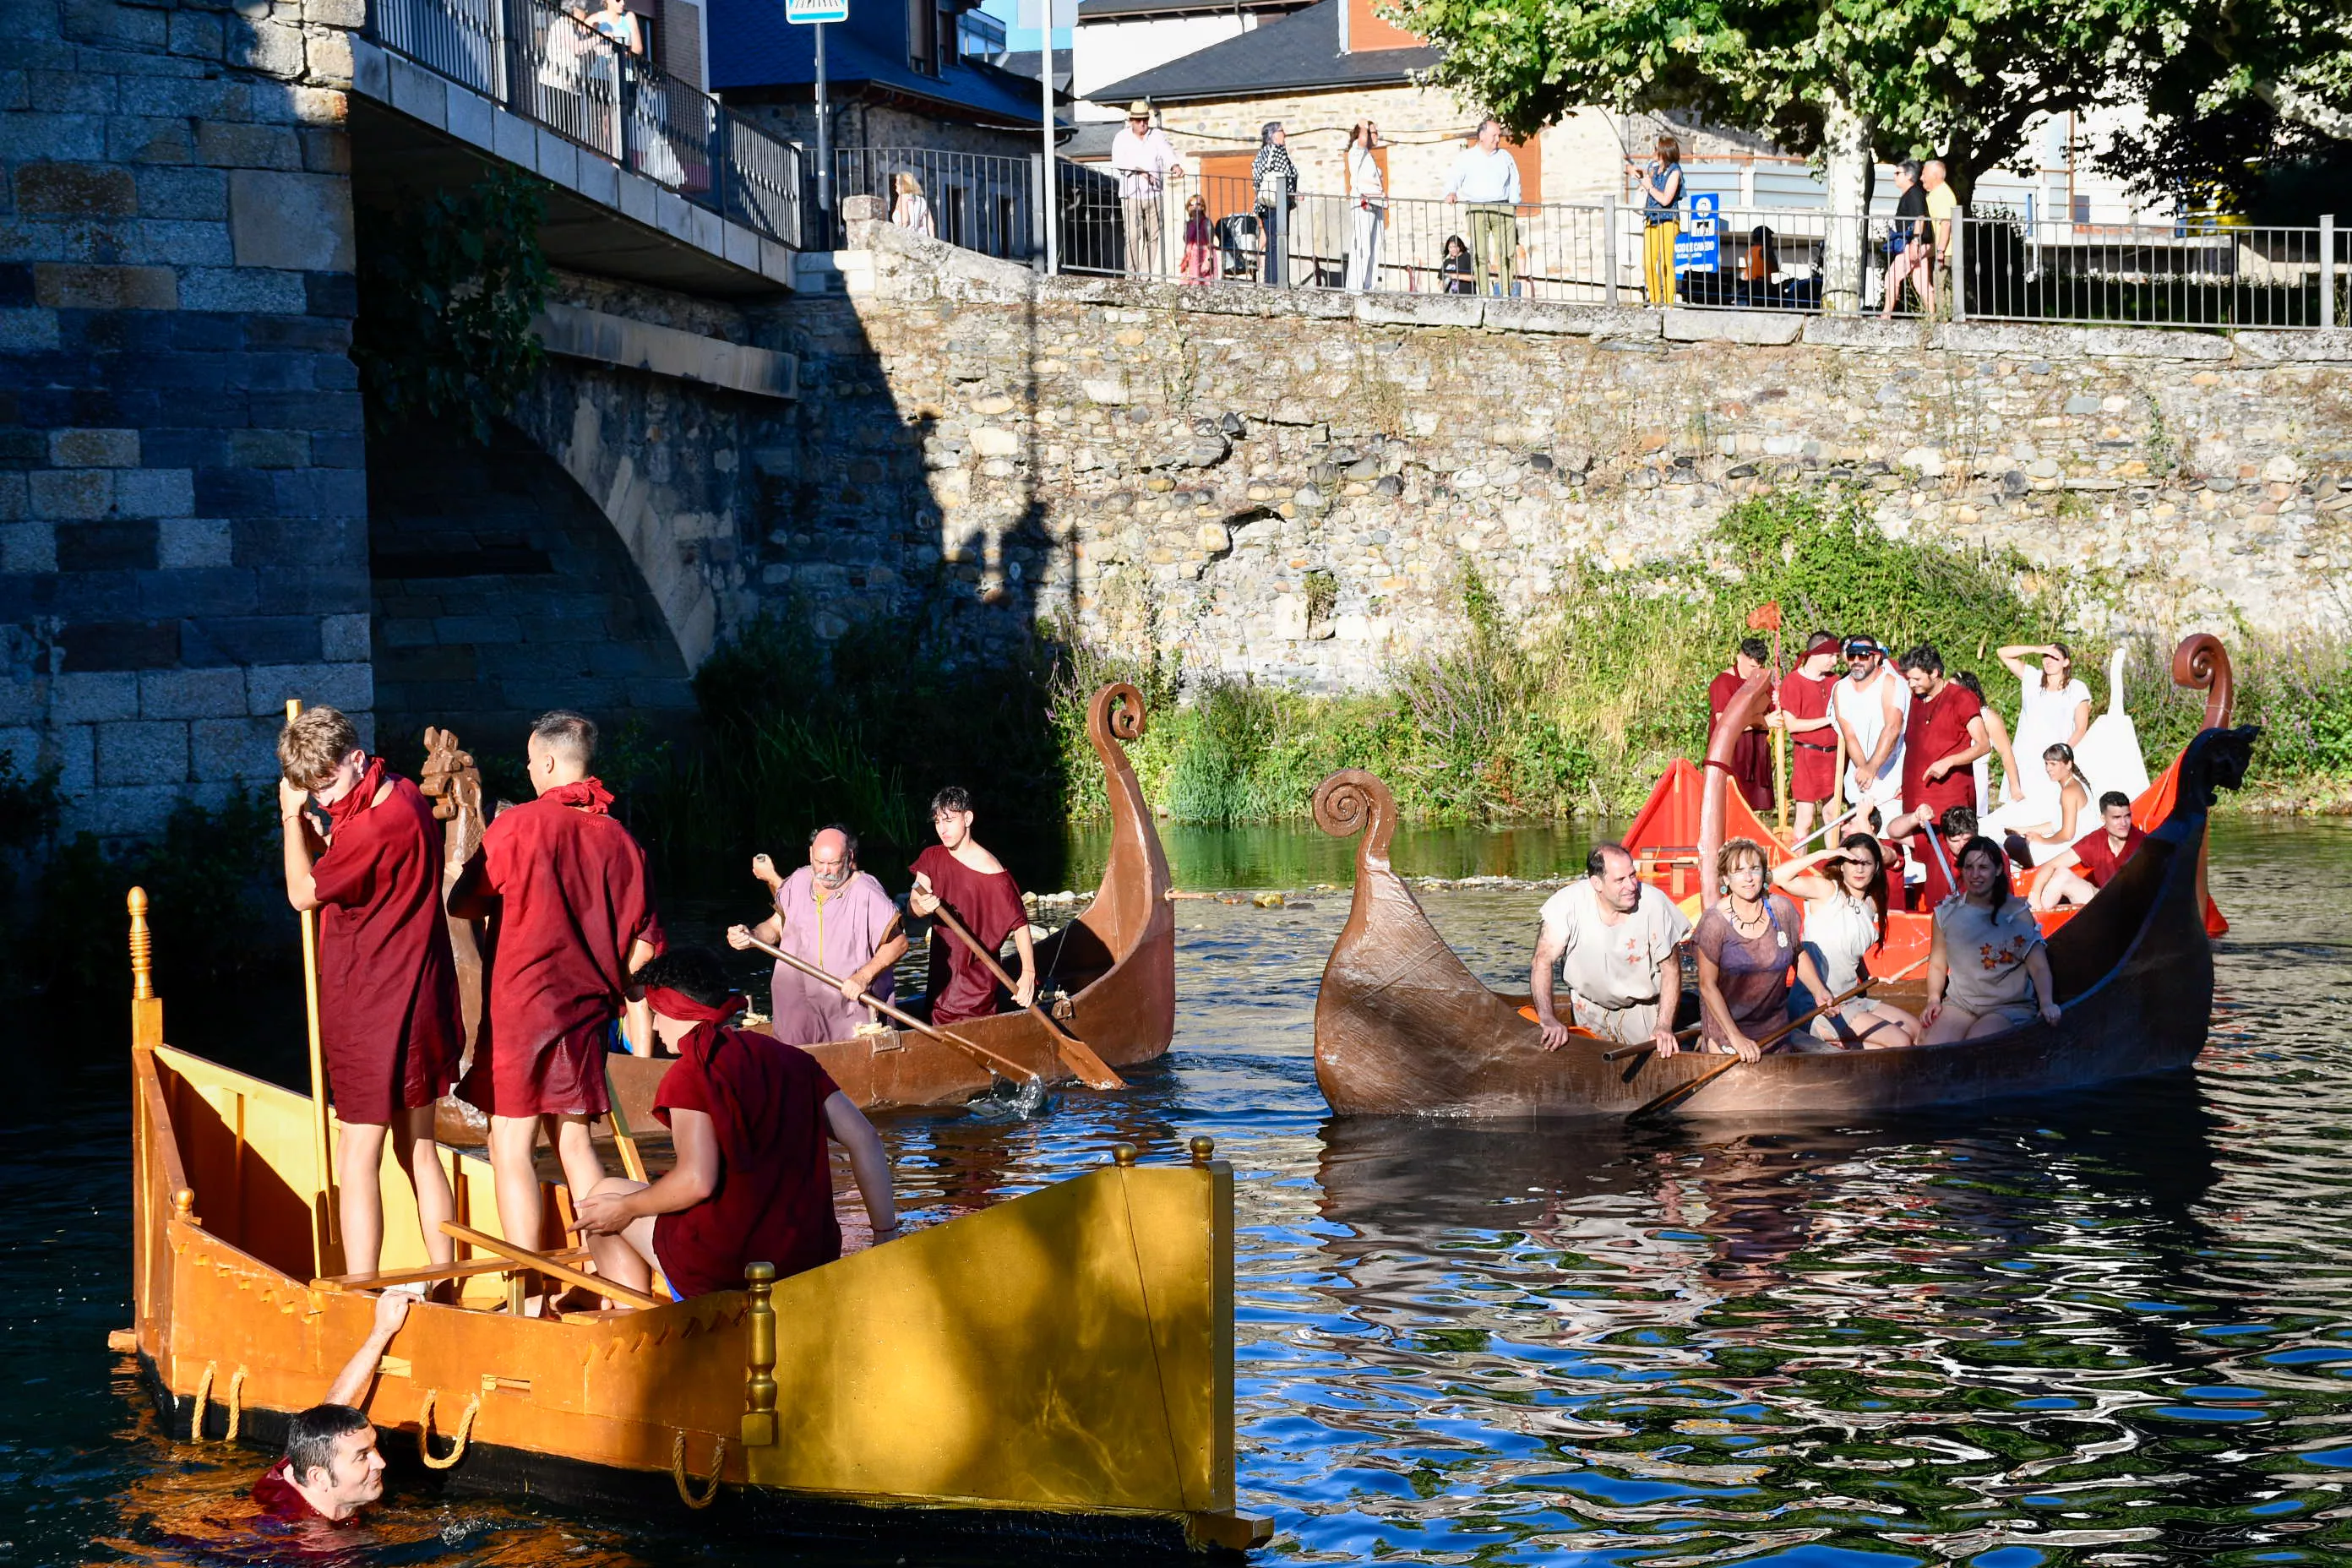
(1056, 1369)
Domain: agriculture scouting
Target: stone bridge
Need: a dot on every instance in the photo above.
(195, 522)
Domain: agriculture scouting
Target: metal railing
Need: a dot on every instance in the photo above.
(980, 201)
(548, 66)
(2182, 272)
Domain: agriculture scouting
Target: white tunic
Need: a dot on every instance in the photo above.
(1861, 708)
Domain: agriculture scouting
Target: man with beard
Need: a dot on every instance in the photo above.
(331, 1470)
(833, 915)
(1613, 938)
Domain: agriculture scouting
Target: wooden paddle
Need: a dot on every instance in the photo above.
(1002, 1066)
(1691, 1086)
(1076, 1054)
(325, 1223)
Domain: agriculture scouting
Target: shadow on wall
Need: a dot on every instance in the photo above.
(500, 591)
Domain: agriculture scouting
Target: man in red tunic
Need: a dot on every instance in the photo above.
(389, 1027)
(2074, 875)
(981, 893)
(330, 1468)
(1751, 755)
(567, 887)
(750, 1115)
(1945, 732)
(1803, 711)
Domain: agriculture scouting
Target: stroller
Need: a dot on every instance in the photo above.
(1238, 244)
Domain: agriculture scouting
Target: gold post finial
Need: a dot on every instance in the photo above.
(1202, 1148)
(760, 1382)
(142, 949)
(1124, 1154)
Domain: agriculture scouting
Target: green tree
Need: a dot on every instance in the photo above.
(2238, 93)
(1847, 80)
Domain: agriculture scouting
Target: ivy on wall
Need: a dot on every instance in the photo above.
(447, 293)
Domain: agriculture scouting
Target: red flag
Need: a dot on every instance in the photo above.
(1764, 617)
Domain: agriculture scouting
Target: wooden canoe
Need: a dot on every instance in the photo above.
(1115, 964)
(1403, 1028)
(1053, 1374)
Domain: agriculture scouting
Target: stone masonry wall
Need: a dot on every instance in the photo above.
(183, 533)
(1178, 465)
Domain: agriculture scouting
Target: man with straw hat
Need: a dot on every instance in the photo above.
(1144, 160)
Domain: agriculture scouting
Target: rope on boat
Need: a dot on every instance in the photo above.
(425, 1431)
(204, 1395)
(677, 1472)
(235, 1405)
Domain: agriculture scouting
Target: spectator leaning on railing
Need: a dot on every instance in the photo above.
(1145, 161)
(1942, 203)
(1487, 178)
(1906, 241)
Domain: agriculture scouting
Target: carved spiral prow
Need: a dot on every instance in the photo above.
(1115, 713)
(1353, 801)
(2201, 664)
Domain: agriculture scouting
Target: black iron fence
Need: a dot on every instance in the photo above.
(981, 201)
(549, 67)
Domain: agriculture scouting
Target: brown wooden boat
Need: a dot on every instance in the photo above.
(1403, 1028)
(1052, 1375)
(1113, 966)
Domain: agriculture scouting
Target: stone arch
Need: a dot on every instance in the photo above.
(500, 588)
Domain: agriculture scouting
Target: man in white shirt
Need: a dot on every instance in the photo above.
(1145, 161)
(1486, 177)
(1871, 705)
(1613, 938)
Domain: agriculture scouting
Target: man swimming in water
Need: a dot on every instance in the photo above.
(332, 1468)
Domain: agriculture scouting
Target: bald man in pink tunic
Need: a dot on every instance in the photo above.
(833, 915)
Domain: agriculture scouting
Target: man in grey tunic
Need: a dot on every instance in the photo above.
(1614, 939)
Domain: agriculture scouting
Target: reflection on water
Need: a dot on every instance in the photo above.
(2112, 1329)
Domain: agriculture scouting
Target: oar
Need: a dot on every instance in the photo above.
(1691, 1085)
(631, 1162)
(1076, 1054)
(1002, 1066)
(323, 1230)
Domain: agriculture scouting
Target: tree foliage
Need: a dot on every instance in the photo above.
(1961, 78)
(2240, 92)
(447, 293)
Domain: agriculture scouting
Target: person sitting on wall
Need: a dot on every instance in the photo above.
(750, 1115)
(2074, 875)
(332, 1468)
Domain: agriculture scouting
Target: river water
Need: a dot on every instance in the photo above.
(2110, 1329)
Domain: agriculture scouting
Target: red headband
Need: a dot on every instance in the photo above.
(705, 1017)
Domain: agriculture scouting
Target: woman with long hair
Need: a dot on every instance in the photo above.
(1988, 970)
(1276, 180)
(2052, 706)
(1745, 946)
(911, 210)
(1844, 895)
(2038, 841)
(1661, 213)
(1368, 205)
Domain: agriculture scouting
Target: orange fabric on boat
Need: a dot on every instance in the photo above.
(2153, 805)
(1669, 820)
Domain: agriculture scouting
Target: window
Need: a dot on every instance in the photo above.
(923, 36)
(2081, 209)
(979, 36)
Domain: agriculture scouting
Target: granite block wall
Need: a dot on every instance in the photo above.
(183, 515)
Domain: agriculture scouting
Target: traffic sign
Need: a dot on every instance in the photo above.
(1699, 247)
(809, 10)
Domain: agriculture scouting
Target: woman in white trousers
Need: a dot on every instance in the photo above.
(1367, 206)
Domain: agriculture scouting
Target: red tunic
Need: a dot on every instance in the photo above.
(573, 897)
(1938, 727)
(2098, 862)
(276, 1492)
(774, 1203)
(388, 1021)
(1751, 755)
(989, 906)
(1813, 753)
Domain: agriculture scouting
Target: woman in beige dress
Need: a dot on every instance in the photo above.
(1987, 971)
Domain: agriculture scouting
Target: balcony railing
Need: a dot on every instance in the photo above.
(550, 68)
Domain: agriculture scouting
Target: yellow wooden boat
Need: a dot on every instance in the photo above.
(1056, 1372)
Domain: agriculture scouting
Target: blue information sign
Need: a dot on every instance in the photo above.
(811, 11)
(1699, 247)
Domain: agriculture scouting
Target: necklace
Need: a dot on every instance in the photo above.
(1763, 917)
